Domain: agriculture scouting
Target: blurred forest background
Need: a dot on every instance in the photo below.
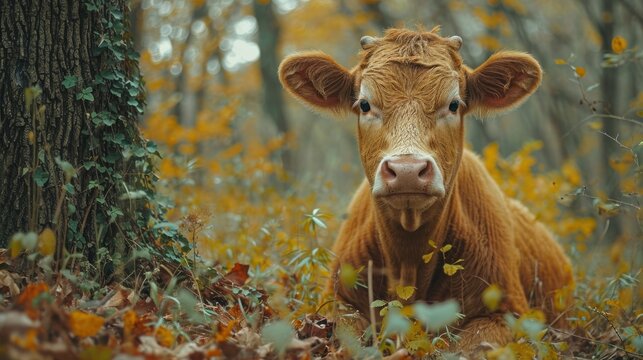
(257, 185)
(232, 140)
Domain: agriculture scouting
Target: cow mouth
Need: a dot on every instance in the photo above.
(410, 200)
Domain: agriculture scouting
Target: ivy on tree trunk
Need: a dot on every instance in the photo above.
(71, 94)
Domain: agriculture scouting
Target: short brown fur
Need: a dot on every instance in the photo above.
(409, 75)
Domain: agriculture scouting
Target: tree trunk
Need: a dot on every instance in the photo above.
(273, 103)
(609, 85)
(79, 55)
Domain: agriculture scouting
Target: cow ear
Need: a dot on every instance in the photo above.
(318, 80)
(502, 82)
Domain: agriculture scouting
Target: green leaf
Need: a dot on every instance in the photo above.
(396, 323)
(436, 316)
(85, 94)
(279, 334)
(67, 168)
(70, 81)
(40, 177)
(378, 303)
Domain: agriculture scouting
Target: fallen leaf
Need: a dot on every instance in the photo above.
(238, 275)
(84, 324)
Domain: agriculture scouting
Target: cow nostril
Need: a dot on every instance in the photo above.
(426, 171)
(387, 172)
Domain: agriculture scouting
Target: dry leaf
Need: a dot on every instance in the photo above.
(84, 324)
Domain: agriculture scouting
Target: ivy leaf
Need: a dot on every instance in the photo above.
(67, 168)
(70, 81)
(86, 94)
(378, 303)
(40, 177)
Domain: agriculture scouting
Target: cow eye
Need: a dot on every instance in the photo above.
(453, 106)
(364, 106)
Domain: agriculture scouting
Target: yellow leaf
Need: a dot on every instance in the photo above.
(404, 292)
(619, 44)
(433, 244)
(446, 248)
(15, 247)
(596, 125)
(572, 174)
(427, 257)
(522, 350)
(580, 71)
(83, 324)
(623, 164)
(560, 62)
(47, 242)
(348, 276)
(164, 336)
(491, 297)
(28, 341)
(451, 269)
(129, 323)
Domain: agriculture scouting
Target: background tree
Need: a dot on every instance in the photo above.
(72, 157)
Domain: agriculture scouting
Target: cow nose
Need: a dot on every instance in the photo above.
(407, 173)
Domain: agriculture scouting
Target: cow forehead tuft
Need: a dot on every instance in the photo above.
(421, 48)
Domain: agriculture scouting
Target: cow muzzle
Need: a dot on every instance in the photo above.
(409, 181)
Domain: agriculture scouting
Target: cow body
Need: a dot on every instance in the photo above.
(410, 93)
(500, 241)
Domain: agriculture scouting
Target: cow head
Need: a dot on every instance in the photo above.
(410, 93)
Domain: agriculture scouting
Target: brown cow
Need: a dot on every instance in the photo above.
(410, 92)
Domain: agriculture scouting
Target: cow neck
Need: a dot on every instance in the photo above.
(403, 251)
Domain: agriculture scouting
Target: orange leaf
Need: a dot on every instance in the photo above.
(31, 292)
(224, 331)
(129, 323)
(27, 341)
(238, 275)
(580, 71)
(83, 324)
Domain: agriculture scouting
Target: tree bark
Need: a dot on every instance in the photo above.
(269, 32)
(79, 54)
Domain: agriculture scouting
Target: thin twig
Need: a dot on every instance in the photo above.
(595, 115)
(633, 355)
(370, 301)
(602, 313)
